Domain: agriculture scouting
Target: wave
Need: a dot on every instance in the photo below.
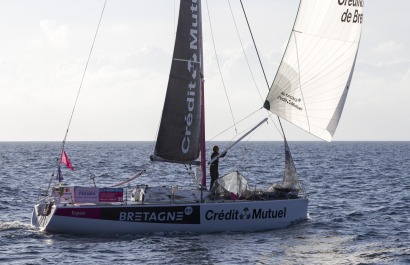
(14, 225)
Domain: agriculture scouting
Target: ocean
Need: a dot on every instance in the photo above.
(359, 205)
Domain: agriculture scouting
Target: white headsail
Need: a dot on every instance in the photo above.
(313, 79)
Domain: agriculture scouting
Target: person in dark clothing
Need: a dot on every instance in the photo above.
(214, 165)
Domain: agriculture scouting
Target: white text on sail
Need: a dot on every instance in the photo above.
(192, 86)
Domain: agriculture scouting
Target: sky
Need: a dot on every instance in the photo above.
(44, 47)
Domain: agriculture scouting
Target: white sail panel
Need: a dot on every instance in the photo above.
(312, 81)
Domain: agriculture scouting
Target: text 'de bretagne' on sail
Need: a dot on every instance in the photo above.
(180, 128)
(313, 79)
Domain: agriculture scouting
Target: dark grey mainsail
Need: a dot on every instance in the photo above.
(179, 133)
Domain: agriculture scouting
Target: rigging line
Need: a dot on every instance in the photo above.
(244, 53)
(241, 159)
(234, 125)
(260, 61)
(175, 31)
(254, 44)
(82, 79)
(219, 67)
(300, 86)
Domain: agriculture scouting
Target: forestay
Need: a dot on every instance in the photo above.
(312, 82)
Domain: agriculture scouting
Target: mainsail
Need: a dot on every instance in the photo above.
(312, 82)
(180, 128)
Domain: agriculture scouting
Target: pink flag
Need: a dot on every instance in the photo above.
(66, 161)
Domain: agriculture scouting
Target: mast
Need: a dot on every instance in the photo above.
(203, 145)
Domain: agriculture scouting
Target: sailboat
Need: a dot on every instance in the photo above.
(309, 90)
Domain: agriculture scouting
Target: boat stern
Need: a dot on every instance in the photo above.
(42, 214)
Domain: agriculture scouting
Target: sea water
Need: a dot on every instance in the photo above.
(359, 204)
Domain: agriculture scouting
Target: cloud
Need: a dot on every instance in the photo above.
(388, 47)
(405, 84)
(55, 34)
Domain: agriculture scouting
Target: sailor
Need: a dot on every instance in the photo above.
(214, 165)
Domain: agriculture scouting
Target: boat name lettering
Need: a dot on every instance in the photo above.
(192, 86)
(89, 193)
(75, 213)
(245, 214)
(351, 16)
(151, 216)
(289, 99)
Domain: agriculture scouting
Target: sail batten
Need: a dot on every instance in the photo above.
(312, 81)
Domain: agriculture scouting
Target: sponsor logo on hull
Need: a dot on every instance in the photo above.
(174, 215)
(171, 214)
(245, 214)
(168, 214)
